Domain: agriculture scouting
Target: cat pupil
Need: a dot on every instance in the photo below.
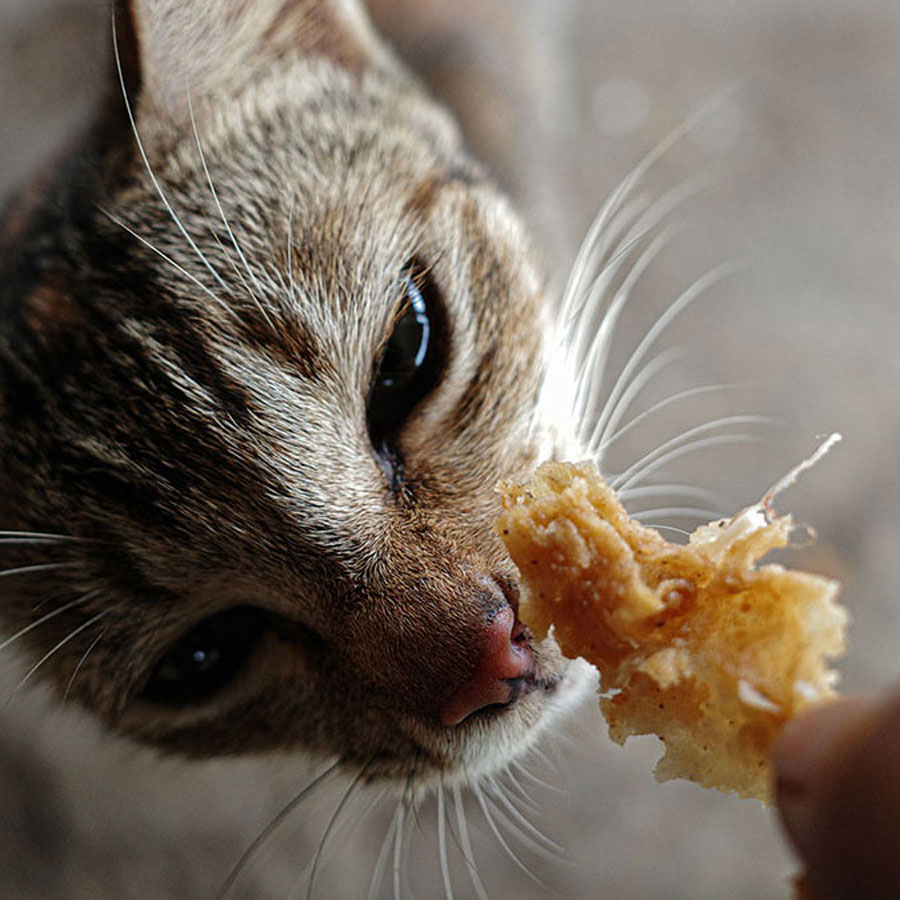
(206, 659)
(408, 345)
(408, 367)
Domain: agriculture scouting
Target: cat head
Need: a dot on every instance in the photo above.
(268, 339)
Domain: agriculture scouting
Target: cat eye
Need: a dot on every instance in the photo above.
(409, 365)
(206, 659)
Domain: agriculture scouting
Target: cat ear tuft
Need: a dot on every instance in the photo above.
(205, 47)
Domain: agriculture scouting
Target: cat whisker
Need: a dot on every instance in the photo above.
(651, 369)
(180, 269)
(687, 394)
(582, 366)
(594, 296)
(411, 789)
(81, 663)
(512, 784)
(641, 466)
(329, 828)
(546, 760)
(37, 567)
(465, 840)
(515, 830)
(522, 769)
(154, 180)
(442, 841)
(46, 618)
(24, 537)
(592, 359)
(397, 867)
(383, 854)
(672, 490)
(688, 296)
(672, 199)
(671, 512)
(489, 818)
(574, 288)
(530, 831)
(635, 226)
(693, 447)
(256, 298)
(658, 527)
(273, 824)
(70, 636)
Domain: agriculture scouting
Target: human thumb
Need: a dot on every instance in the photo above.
(837, 774)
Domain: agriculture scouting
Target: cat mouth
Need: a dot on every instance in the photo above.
(519, 689)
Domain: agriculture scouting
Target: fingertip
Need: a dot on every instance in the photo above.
(837, 785)
(805, 751)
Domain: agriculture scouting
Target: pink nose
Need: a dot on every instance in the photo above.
(504, 670)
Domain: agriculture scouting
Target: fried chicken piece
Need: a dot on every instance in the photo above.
(694, 642)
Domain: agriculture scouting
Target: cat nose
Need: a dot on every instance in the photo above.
(505, 669)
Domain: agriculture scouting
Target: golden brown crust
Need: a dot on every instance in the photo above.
(694, 642)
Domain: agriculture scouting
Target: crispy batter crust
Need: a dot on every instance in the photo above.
(694, 642)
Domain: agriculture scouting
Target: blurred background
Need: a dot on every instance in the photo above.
(800, 171)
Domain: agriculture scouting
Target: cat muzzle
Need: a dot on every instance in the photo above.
(505, 671)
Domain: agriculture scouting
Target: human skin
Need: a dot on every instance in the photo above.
(838, 791)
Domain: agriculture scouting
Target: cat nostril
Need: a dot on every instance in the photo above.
(504, 672)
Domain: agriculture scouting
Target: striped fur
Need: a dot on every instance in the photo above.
(187, 343)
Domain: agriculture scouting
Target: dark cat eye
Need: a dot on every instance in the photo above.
(409, 365)
(202, 662)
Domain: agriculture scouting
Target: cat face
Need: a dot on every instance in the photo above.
(268, 341)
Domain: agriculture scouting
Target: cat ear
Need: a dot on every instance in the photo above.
(176, 48)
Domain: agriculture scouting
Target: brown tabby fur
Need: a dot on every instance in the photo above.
(194, 417)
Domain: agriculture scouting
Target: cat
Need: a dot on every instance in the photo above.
(269, 336)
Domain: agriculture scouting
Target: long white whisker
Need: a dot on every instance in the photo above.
(466, 842)
(398, 851)
(669, 512)
(149, 168)
(651, 369)
(276, 820)
(591, 299)
(256, 298)
(383, 853)
(658, 527)
(38, 567)
(679, 305)
(524, 770)
(594, 365)
(574, 287)
(70, 636)
(9, 537)
(180, 269)
(622, 480)
(330, 827)
(496, 790)
(522, 834)
(442, 842)
(649, 219)
(661, 405)
(489, 818)
(512, 784)
(671, 490)
(81, 662)
(691, 447)
(51, 615)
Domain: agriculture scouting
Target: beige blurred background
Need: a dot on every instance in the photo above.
(565, 99)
